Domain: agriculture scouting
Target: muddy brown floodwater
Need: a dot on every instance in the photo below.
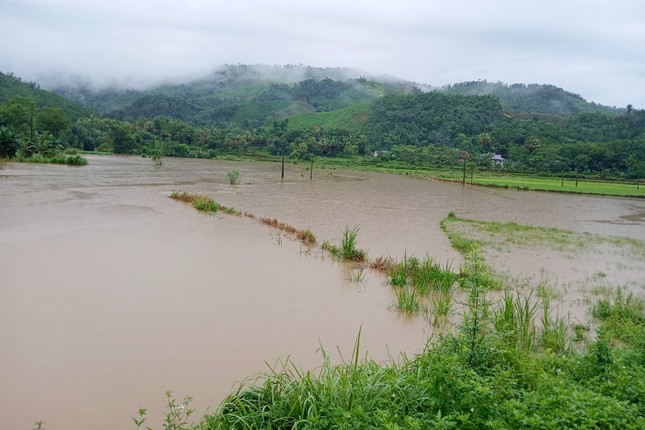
(111, 293)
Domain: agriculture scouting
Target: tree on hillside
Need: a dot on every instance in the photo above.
(53, 120)
(18, 114)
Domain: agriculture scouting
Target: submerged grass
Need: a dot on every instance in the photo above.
(416, 282)
(347, 251)
(203, 203)
(500, 235)
(69, 159)
(306, 236)
(491, 373)
(507, 365)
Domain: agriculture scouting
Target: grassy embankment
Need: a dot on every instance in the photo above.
(506, 365)
(70, 160)
(490, 178)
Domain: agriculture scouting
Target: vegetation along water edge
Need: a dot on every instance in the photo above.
(508, 362)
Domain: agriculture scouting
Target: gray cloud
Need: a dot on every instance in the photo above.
(589, 47)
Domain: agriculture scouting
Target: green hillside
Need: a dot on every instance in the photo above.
(12, 87)
(352, 118)
(545, 99)
(241, 96)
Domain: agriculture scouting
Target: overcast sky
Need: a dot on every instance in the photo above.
(595, 48)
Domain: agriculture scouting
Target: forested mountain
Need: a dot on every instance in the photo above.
(247, 96)
(430, 118)
(12, 87)
(533, 98)
(305, 112)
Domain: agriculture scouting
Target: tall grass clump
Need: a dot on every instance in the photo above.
(424, 276)
(233, 177)
(413, 278)
(407, 300)
(347, 251)
(515, 319)
(555, 330)
(476, 271)
(203, 203)
(619, 312)
(206, 204)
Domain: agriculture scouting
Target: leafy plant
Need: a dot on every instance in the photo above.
(347, 250)
(407, 300)
(233, 177)
(205, 204)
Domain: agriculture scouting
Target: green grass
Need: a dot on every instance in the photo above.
(203, 203)
(206, 205)
(233, 177)
(506, 365)
(488, 178)
(407, 299)
(501, 235)
(70, 160)
(416, 282)
(500, 378)
(544, 183)
(351, 118)
(348, 250)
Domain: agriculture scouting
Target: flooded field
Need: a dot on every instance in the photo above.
(111, 293)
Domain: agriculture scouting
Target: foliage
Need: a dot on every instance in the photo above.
(484, 376)
(240, 111)
(347, 251)
(534, 98)
(233, 176)
(12, 87)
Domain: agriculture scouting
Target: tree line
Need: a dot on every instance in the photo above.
(424, 129)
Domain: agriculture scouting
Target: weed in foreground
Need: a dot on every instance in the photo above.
(176, 418)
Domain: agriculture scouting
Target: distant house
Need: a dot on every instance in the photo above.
(498, 160)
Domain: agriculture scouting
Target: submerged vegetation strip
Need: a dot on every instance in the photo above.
(504, 367)
(461, 231)
(508, 364)
(347, 250)
(203, 203)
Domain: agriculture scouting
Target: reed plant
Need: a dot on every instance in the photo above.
(398, 273)
(441, 305)
(347, 251)
(233, 177)
(407, 300)
(358, 274)
(515, 320)
(555, 330)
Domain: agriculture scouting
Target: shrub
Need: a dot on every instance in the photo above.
(234, 177)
